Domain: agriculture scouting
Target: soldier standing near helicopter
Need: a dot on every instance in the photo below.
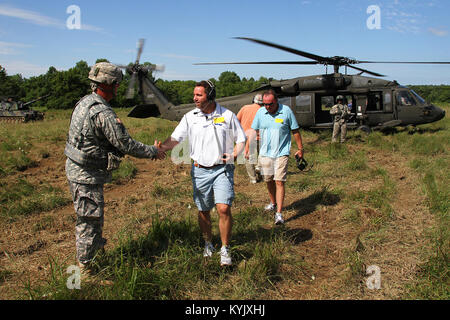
(96, 141)
(340, 113)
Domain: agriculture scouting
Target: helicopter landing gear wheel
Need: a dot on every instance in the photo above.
(365, 129)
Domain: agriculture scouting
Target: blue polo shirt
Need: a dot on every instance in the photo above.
(275, 131)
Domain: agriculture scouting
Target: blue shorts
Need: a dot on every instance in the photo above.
(212, 186)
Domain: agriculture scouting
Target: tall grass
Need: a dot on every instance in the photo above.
(22, 198)
(167, 263)
(126, 171)
(431, 161)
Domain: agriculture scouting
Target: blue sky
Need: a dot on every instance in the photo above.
(34, 35)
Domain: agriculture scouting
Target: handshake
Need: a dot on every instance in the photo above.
(161, 155)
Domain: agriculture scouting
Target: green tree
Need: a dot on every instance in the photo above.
(10, 86)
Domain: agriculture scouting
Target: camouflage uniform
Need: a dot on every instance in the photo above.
(340, 113)
(96, 141)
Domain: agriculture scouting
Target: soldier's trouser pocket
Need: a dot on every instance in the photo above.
(89, 207)
(88, 199)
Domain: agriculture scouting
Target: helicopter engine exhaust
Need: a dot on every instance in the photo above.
(290, 87)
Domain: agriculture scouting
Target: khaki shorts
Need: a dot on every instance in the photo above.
(274, 168)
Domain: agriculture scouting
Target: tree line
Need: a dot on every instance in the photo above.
(67, 87)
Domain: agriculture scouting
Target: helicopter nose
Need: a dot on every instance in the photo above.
(441, 115)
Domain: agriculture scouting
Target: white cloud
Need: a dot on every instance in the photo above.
(30, 16)
(89, 27)
(438, 32)
(10, 48)
(39, 19)
(24, 68)
(402, 21)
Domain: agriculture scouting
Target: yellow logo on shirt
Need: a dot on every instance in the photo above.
(278, 120)
(219, 120)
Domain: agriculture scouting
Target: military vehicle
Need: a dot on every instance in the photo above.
(17, 111)
(376, 104)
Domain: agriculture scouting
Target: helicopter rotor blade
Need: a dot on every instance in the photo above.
(131, 87)
(260, 62)
(154, 67)
(408, 62)
(291, 50)
(140, 49)
(366, 71)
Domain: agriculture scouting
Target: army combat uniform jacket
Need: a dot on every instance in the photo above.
(340, 112)
(97, 140)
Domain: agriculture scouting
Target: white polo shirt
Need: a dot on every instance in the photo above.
(210, 135)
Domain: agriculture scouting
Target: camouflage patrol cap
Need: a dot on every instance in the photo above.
(105, 72)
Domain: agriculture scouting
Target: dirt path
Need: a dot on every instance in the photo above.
(321, 236)
(397, 253)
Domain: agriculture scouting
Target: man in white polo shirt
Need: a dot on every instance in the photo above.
(212, 131)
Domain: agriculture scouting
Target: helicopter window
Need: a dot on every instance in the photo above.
(327, 102)
(285, 100)
(374, 102)
(421, 100)
(303, 103)
(387, 102)
(349, 102)
(404, 98)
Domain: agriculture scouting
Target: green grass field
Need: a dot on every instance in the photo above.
(165, 260)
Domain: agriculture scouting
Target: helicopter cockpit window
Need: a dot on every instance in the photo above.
(404, 98)
(302, 103)
(421, 100)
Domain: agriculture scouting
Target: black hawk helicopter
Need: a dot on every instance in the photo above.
(376, 104)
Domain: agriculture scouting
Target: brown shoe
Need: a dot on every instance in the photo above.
(85, 271)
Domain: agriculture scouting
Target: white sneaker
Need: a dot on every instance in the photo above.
(253, 181)
(209, 250)
(279, 218)
(225, 256)
(270, 207)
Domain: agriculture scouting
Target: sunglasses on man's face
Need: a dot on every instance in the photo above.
(268, 104)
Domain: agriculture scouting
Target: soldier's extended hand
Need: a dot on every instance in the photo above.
(161, 154)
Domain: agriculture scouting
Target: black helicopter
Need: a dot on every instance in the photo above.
(376, 104)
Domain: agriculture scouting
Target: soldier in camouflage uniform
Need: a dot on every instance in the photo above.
(340, 113)
(96, 141)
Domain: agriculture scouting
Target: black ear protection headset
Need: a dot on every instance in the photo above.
(212, 91)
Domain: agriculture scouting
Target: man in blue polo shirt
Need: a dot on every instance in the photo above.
(275, 123)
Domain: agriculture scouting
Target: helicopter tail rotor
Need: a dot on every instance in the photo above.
(137, 71)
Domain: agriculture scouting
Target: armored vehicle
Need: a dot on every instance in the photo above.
(18, 111)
